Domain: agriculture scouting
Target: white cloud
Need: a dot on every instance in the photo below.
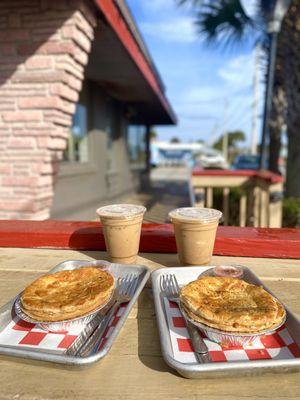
(179, 29)
(250, 7)
(235, 86)
(238, 72)
(158, 5)
(233, 83)
(201, 94)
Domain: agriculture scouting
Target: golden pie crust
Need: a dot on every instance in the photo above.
(67, 294)
(231, 305)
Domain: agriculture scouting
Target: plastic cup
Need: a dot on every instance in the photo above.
(122, 225)
(195, 232)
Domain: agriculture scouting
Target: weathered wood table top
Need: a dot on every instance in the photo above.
(134, 368)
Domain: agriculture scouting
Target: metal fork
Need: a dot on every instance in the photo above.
(89, 329)
(123, 293)
(171, 289)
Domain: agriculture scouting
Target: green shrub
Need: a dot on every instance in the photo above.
(234, 203)
(291, 212)
(290, 208)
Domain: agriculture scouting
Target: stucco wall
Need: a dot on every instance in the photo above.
(82, 187)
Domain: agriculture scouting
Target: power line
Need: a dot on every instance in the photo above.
(216, 118)
(245, 118)
(239, 112)
(238, 121)
(225, 131)
(196, 116)
(236, 93)
(235, 114)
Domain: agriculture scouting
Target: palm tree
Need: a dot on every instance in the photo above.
(225, 21)
(277, 120)
(289, 55)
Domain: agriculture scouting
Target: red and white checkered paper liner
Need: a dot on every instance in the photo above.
(22, 334)
(279, 345)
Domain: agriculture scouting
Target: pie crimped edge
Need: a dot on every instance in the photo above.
(67, 294)
(212, 301)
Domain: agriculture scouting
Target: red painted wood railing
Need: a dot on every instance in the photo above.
(155, 238)
(263, 174)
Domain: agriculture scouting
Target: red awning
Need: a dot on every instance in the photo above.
(156, 103)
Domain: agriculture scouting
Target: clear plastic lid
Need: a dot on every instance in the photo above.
(195, 214)
(123, 211)
(230, 271)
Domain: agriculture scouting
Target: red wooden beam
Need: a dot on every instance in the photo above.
(155, 238)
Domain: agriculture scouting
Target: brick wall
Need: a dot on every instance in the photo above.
(44, 47)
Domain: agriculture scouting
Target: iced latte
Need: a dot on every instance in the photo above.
(122, 230)
(195, 232)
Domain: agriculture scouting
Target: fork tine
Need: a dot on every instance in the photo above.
(130, 282)
(167, 281)
(170, 284)
(173, 285)
(176, 283)
(121, 283)
(166, 284)
(127, 281)
(163, 282)
(174, 291)
(132, 286)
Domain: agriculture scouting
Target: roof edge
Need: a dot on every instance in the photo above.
(132, 25)
(116, 19)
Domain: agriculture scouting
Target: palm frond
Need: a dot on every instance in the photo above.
(265, 7)
(223, 20)
(193, 3)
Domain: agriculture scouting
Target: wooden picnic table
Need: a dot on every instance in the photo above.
(134, 367)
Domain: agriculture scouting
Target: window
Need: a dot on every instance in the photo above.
(77, 147)
(136, 144)
(110, 130)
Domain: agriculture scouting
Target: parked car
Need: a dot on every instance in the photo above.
(211, 159)
(246, 161)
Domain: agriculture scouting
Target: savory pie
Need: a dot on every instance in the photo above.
(67, 294)
(231, 305)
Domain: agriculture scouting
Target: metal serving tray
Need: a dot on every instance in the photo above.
(216, 369)
(142, 274)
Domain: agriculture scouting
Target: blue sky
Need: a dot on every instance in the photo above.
(200, 79)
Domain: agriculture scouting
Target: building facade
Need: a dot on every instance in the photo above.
(78, 94)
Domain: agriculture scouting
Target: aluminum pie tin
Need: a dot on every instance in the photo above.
(59, 326)
(230, 339)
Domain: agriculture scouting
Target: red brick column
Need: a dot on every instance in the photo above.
(44, 47)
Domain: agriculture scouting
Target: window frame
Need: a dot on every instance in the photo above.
(74, 168)
(135, 165)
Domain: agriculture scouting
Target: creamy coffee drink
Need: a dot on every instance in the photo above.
(195, 232)
(122, 225)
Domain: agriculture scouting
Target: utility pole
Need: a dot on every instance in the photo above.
(225, 132)
(213, 134)
(255, 101)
